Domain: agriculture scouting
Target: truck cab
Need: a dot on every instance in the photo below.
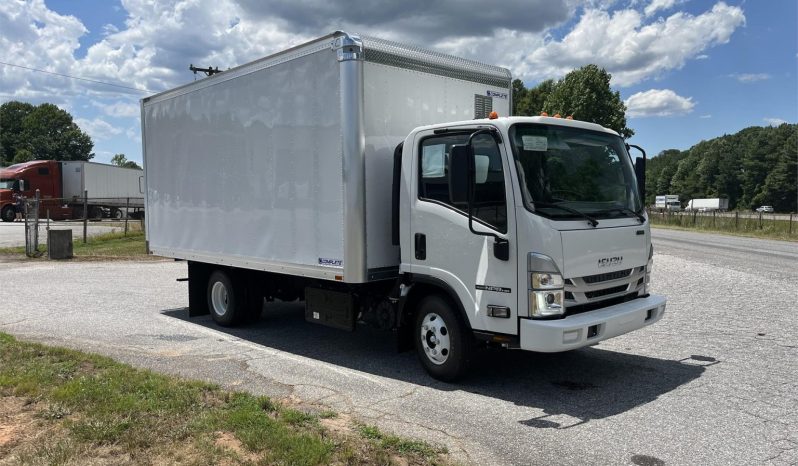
(23, 179)
(534, 225)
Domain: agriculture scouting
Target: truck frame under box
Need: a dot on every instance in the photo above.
(285, 163)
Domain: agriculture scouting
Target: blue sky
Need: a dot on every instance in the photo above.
(688, 69)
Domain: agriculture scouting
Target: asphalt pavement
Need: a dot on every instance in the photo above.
(715, 382)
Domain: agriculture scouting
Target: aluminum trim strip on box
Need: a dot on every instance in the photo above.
(326, 273)
(415, 58)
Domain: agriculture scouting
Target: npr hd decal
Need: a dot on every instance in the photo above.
(498, 95)
(497, 289)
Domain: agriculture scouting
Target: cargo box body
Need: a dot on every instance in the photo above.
(285, 164)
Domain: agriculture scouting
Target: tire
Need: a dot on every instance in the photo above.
(8, 214)
(95, 213)
(225, 300)
(116, 213)
(443, 341)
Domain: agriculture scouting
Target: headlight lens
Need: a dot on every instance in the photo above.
(546, 281)
(546, 303)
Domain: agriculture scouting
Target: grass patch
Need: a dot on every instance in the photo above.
(74, 407)
(398, 444)
(114, 245)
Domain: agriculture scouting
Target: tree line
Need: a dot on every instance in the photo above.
(753, 167)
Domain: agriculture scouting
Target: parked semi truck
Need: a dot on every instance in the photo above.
(668, 202)
(362, 177)
(707, 205)
(62, 185)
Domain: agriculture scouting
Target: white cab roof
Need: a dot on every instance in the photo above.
(505, 122)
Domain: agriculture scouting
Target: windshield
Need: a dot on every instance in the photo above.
(580, 169)
(7, 183)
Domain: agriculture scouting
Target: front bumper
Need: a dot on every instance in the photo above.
(589, 328)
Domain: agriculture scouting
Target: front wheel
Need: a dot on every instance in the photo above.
(443, 341)
(8, 213)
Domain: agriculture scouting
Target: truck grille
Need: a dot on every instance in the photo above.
(605, 291)
(585, 292)
(603, 277)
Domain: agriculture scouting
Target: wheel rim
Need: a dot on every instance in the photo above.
(435, 341)
(219, 298)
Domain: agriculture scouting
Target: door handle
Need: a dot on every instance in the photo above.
(421, 246)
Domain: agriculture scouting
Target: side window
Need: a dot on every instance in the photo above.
(490, 201)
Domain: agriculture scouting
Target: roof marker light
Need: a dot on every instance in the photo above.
(544, 114)
(569, 117)
(493, 115)
(557, 115)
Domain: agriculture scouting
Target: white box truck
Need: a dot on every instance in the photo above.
(707, 205)
(363, 177)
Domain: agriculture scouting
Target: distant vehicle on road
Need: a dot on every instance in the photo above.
(668, 202)
(765, 208)
(707, 205)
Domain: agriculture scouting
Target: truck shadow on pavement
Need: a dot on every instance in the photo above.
(571, 388)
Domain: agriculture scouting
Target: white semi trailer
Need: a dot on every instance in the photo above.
(363, 177)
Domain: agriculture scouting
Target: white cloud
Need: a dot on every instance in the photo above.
(657, 5)
(98, 129)
(629, 49)
(774, 121)
(705, 116)
(703, 56)
(750, 77)
(119, 109)
(658, 102)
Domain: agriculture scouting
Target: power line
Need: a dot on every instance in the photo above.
(76, 77)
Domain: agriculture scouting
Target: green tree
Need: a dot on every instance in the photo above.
(42, 132)
(11, 116)
(585, 93)
(122, 161)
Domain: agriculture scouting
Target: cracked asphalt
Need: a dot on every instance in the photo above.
(715, 382)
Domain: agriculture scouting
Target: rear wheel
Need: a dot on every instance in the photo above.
(8, 213)
(443, 341)
(224, 299)
(116, 213)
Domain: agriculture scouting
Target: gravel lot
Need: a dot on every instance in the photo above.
(715, 382)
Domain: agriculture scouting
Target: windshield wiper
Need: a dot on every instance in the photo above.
(624, 210)
(590, 219)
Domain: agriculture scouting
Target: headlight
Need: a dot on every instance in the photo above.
(546, 287)
(546, 281)
(546, 303)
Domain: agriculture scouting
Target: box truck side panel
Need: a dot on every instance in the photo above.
(396, 101)
(257, 153)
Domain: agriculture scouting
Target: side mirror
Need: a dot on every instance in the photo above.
(640, 173)
(459, 174)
